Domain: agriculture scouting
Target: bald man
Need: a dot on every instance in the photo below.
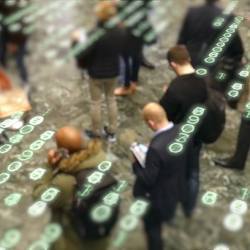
(162, 181)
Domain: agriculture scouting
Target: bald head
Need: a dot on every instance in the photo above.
(154, 115)
(104, 10)
(69, 138)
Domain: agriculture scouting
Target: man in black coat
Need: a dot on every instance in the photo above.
(198, 33)
(239, 159)
(185, 91)
(162, 181)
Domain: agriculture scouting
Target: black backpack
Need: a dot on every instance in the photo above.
(81, 209)
(214, 121)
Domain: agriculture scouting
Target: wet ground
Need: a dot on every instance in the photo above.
(64, 94)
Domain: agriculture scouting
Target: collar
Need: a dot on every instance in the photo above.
(168, 127)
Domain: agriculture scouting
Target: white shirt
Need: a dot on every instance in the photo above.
(168, 127)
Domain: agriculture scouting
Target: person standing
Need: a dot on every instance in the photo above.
(101, 60)
(162, 180)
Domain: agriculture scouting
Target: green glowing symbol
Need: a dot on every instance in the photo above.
(244, 73)
(101, 213)
(12, 199)
(11, 238)
(218, 22)
(237, 86)
(52, 232)
(37, 174)
(95, 177)
(220, 44)
(216, 50)
(209, 198)
(233, 222)
(193, 119)
(7, 123)
(247, 115)
(26, 129)
(14, 166)
(122, 185)
(245, 193)
(213, 54)
(16, 138)
(39, 245)
(224, 39)
(201, 71)
(50, 194)
(104, 166)
(36, 120)
(182, 138)
(47, 135)
(26, 155)
(111, 199)
(238, 207)
(86, 191)
(209, 60)
(199, 111)
(175, 148)
(230, 30)
(37, 208)
(5, 148)
(36, 145)
(139, 208)
(228, 35)
(187, 128)
(221, 247)
(233, 93)
(221, 76)
(17, 115)
(4, 177)
(129, 222)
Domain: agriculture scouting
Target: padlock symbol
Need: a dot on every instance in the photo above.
(36, 145)
(50, 194)
(139, 208)
(14, 166)
(47, 135)
(37, 208)
(104, 166)
(5, 148)
(95, 177)
(26, 129)
(26, 155)
(36, 120)
(37, 174)
(209, 198)
(111, 199)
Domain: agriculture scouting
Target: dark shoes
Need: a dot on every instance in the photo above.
(227, 163)
(145, 63)
(110, 137)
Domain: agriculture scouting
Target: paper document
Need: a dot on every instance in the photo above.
(140, 152)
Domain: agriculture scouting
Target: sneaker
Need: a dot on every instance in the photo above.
(123, 91)
(110, 137)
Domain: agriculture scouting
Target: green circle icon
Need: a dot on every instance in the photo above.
(209, 60)
(47, 135)
(36, 145)
(4, 177)
(233, 93)
(139, 208)
(11, 238)
(12, 199)
(193, 119)
(187, 128)
(36, 120)
(15, 139)
(52, 232)
(104, 166)
(201, 71)
(175, 148)
(37, 208)
(26, 155)
(39, 245)
(14, 166)
(101, 213)
(111, 199)
(5, 148)
(129, 222)
(26, 129)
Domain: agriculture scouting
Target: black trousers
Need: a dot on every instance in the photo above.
(243, 144)
(153, 229)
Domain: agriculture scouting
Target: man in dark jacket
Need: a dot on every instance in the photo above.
(239, 159)
(185, 91)
(101, 60)
(199, 32)
(13, 37)
(162, 180)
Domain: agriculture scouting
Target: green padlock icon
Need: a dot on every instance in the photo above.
(15, 139)
(12, 199)
(111, 199)
(26, 129)
(139, 208)
(14, 166)
(95, 177)
(104, 166)
(129, 222)
(26, 155)
(37, 174)
(36, 120)
(50, 194)
(101, 213)
(36, 145)
(5, 148)
(47, 135)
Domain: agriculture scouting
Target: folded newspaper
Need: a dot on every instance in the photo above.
(140, 152)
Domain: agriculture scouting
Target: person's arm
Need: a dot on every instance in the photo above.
(149, 174)
(170, 104)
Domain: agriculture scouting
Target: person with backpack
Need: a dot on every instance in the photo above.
(185, 91)
(74, 159)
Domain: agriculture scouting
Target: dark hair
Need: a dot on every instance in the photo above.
(178, 54)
